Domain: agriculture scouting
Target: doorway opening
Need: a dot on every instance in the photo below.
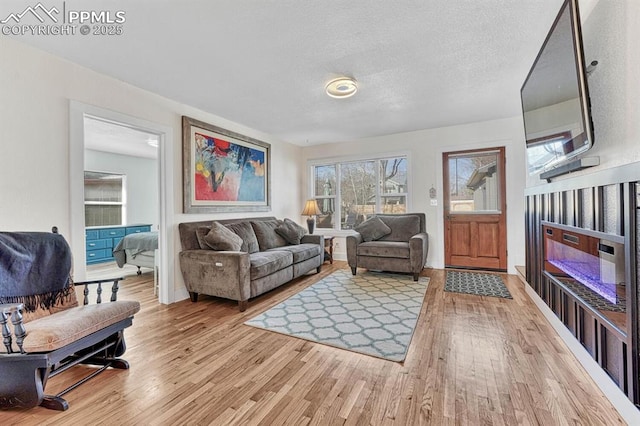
(149, 208)
(120, 199)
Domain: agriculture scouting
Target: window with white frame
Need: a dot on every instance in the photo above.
(349, 191)
(104, 199)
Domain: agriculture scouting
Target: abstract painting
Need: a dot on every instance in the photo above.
(223, 171)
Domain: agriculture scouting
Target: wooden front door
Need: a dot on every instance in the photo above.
(475, 234)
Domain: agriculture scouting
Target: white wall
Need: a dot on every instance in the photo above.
(610, 36)
(141, 183)
(425, 148)
(34, 136)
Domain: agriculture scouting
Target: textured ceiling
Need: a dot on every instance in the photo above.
(100, 135)
(263, 63)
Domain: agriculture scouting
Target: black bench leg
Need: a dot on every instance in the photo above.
(54, 403)
(193, 296)
(242, 305)
(416, 276)
(353, 270)
(120, 364)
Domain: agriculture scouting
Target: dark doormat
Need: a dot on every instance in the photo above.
(481, 284)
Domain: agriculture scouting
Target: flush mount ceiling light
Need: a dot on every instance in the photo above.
(342, 87)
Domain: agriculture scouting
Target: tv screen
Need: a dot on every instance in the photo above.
(555, 98)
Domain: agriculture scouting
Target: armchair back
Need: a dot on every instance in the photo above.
(403, 226)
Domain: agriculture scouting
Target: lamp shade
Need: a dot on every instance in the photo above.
(311, 208)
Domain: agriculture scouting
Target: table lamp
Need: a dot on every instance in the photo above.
(311, 209)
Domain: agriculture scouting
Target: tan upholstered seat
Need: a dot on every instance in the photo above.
(55, 331)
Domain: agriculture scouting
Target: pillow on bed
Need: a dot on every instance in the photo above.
(222, 238)
(291, 231)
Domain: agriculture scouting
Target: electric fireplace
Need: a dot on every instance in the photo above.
(589, 263)
(583, 265)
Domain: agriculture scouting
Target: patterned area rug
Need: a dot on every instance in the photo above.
(370, 313)
(481, 284)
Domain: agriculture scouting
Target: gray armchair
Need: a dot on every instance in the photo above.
(404, 249)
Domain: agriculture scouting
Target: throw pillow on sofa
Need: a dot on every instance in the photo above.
(372, 229)
(202, 232)
(222, 238)
(265, 231)
(245, 231)
(291, 231)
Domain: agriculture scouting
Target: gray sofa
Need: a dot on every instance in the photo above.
(265, 261)
(402, 248)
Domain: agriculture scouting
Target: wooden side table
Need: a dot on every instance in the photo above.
(328, 249)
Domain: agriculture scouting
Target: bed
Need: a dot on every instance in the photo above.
(137, 249)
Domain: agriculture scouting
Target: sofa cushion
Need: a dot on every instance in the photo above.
(290, 231)
(265, 231)
(222, 238)
(264, 263)
(372, 229)
(403, 227)
(301, 252)
(396, 249)
(245, 231)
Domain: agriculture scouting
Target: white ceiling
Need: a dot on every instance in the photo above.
(264, 63)
(105, 136)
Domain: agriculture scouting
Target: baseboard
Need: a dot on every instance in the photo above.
(625, 407)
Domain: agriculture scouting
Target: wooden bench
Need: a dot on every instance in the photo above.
(40, 348)
(45, 347)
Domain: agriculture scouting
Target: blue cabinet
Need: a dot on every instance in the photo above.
(100, 241)
(137, 229)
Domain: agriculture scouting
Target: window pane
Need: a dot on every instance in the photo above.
(325, 194)
(102, 215)
(393, 176)
(326, 218)
(358, 192)
(394, 204)
(103, 197)
(325, 180)
(106, 187)
(473, 183)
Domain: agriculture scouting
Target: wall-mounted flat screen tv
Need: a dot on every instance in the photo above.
(555, 97)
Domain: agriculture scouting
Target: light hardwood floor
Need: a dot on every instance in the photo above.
(473, 360)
